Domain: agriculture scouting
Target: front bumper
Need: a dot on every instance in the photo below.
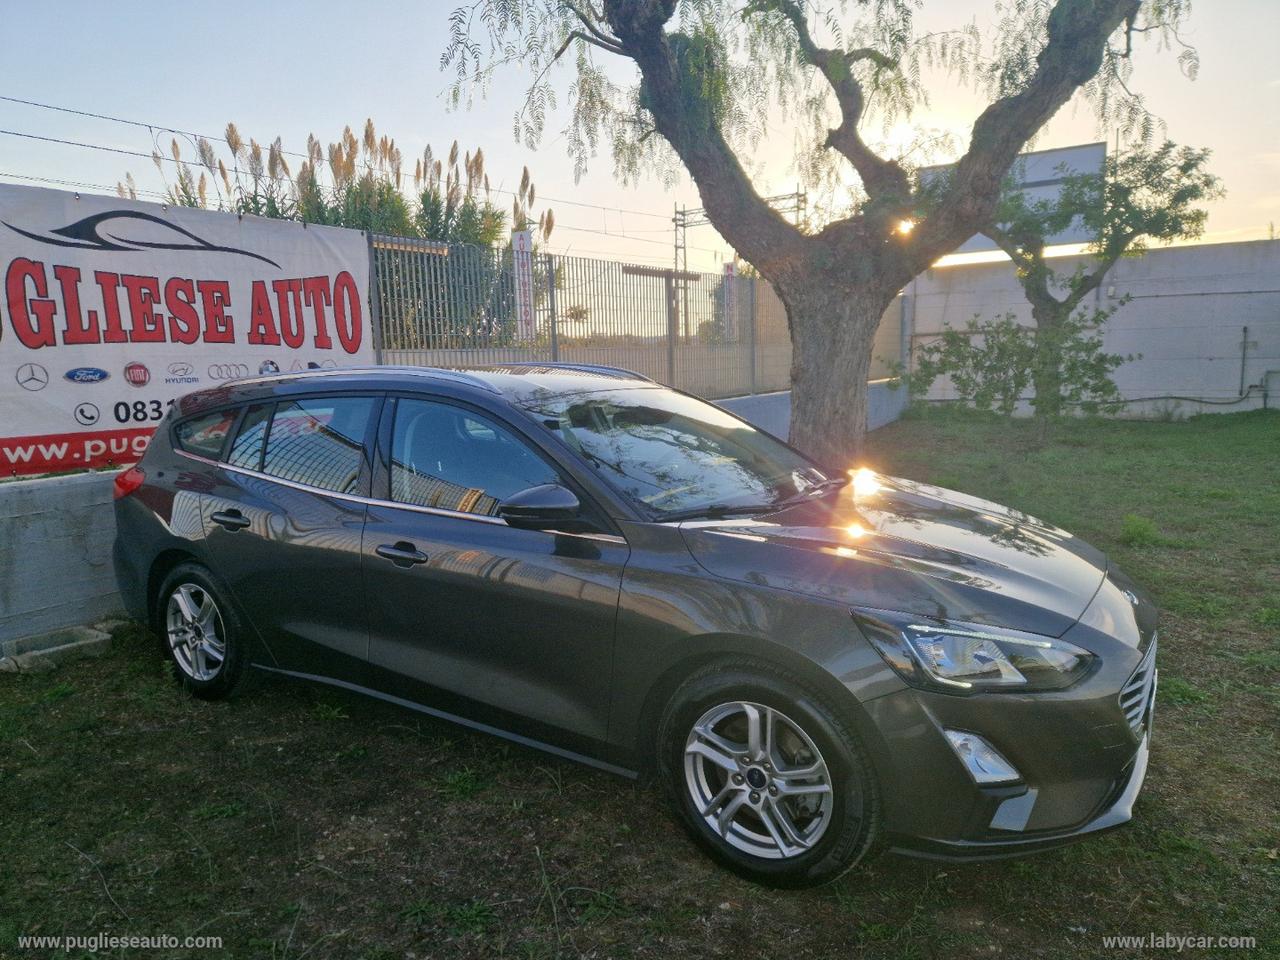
(1081, 755)
(1117, 813)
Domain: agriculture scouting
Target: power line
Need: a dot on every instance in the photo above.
(292, 153)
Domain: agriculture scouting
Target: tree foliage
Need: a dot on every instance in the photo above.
(992, 364)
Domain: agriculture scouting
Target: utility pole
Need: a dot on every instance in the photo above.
(794, 204)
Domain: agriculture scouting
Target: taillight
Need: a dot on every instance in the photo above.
(128, 482)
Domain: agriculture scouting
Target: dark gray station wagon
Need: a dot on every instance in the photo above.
(815, 662)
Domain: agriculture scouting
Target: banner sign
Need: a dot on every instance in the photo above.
(110, 309)
(522, 262)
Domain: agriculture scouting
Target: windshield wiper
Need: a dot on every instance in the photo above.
(718, 511)
(814, 492)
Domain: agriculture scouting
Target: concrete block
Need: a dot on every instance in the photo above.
(47, 651)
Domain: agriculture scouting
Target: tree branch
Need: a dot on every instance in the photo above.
(602, 39)
(882, 179)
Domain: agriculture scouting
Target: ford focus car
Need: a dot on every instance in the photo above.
(816, 663)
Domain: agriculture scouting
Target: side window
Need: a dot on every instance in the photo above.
(452, 459)
(246, 451)
(318, 441)
(205, 435)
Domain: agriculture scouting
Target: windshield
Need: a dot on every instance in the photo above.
(672, 454)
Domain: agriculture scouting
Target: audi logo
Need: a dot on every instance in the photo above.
(228, 371)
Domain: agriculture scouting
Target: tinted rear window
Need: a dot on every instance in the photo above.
(319, 441)
(204, 436)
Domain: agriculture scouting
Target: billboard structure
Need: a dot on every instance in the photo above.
(111, 308)
(1040, 175)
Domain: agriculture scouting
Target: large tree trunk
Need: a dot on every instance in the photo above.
(832, 332)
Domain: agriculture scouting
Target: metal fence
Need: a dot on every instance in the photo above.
(446, 305)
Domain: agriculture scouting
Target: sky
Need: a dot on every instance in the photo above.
(292, 68)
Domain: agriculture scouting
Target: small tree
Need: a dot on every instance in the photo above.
(1140, 196)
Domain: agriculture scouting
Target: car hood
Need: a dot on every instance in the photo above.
(914, 548)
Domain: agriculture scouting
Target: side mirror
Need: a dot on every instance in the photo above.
(539, 507)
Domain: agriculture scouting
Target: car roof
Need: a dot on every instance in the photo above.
(516, 383)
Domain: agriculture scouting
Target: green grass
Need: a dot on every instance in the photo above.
(301, 822)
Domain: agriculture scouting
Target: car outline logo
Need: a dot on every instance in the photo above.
(227, 371)
(86, 375)
(32, 377)
(87, 414)
(137, 374)
(180, 369)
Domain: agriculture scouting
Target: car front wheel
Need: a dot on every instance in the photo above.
(767, 776)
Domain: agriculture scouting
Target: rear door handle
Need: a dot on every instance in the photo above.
(402, 553)
(231, 519)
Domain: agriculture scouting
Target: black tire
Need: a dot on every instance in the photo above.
(229, 674)
(853, 818)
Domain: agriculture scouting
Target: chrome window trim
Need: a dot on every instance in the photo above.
(370, 501)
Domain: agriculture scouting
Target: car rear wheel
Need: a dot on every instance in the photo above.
(200, 631)
(767, 776)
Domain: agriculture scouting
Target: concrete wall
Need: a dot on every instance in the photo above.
(1187, 316)
(55, 553)
(772, 411)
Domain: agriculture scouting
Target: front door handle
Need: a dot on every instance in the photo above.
(231, 519)
(402, 554)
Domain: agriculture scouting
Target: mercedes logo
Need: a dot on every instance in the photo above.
(87, 414)
(32, 376)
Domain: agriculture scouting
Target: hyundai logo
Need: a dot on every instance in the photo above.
(180, 369)
(86, 375)
(227, 371)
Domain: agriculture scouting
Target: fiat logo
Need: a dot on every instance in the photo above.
(137, 374)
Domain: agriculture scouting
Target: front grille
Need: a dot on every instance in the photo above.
(1135, 695)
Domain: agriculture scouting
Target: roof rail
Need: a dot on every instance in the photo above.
(593, 368)
(440, 373)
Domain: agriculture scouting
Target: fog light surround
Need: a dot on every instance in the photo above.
(984, 762)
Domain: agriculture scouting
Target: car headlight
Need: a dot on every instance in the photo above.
(972, 658)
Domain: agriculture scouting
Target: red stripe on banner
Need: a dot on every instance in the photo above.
(69, 451)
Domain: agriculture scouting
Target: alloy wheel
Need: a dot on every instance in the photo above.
(193, 626)
(758, 780)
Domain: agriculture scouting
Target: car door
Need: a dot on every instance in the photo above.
(283, 528)
(467, 612)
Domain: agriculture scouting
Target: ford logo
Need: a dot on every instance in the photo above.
(87, 375)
